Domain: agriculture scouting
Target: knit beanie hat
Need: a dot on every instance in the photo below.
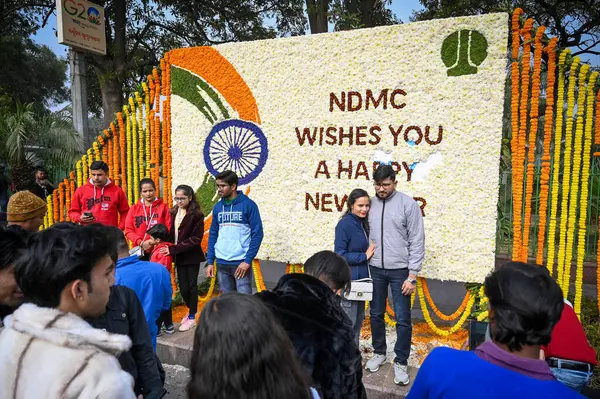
(25, 205)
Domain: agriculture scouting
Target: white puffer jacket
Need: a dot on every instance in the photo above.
(46, 353)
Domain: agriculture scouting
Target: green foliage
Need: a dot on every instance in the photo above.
(590, 319)
(29, 137)
(478, 306)
(575, 24)
(356, 14)
(206, 195)
(190, 86)
(30, 73)
(203, 288)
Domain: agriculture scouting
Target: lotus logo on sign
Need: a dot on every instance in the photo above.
(93, 16)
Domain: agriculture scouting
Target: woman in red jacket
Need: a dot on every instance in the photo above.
(148, 212)
(187, 226)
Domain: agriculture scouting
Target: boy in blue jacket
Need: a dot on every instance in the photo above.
(235, 236)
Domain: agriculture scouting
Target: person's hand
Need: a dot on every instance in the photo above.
(140, 397)
(407, 287)
(86, 219)
(241, 270)
(164, 250)
(210, 271)
(146, 245)
(465, 345)
(370, 251)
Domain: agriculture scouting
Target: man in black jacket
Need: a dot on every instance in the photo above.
(125, 315)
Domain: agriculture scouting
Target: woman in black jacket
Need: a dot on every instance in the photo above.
(309, 310)
(187, 225)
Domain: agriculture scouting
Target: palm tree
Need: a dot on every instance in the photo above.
(29, 138)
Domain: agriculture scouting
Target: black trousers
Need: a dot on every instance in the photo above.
(187, 277)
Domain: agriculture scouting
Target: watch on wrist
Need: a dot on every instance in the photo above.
(412, 281)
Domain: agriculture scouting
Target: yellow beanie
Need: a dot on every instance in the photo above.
(23, 206)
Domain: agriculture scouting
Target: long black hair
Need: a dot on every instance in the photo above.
(242, 352)
(188, 192)
(355, 195)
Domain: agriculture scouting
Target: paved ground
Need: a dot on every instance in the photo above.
(177, 378)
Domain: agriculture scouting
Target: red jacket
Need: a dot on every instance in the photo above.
(140, 218)
(165, 260)
(569, 341)
(105, 203)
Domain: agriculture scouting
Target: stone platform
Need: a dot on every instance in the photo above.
(176, 350)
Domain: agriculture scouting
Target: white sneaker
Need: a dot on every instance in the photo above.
(401, 374)
(187, 325)
(374, 363)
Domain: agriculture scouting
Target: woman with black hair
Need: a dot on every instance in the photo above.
(187, 226)
(352, 242)
(308, 308)
(12, 240)
(525, 303)
(241, 352)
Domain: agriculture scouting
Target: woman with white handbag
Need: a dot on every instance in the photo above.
(352, 242)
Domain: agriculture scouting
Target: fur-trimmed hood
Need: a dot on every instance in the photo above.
(46, 353)
(65, 329)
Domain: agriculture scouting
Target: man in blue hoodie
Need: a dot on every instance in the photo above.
(150, 281)
(235, 236)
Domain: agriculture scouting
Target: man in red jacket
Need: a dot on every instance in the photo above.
(99, 200)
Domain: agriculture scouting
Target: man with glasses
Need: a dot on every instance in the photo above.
(235, 236)
(396, 227)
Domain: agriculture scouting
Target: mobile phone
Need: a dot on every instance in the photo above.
(477, 330)
(88, 214)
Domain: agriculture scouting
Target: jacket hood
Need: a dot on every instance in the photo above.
(305, 297)
(241, 197)
(66, 329)
(157, 201)
(109, 183)
(130, 260)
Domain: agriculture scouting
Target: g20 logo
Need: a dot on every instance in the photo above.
(78, 10)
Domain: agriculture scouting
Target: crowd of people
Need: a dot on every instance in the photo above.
(82, 303)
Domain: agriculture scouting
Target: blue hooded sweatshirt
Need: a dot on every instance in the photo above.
(236, 232)
(152, 285)
(352, 243)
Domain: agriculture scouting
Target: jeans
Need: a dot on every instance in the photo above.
(187, 276)
(382, 279)
(356, 312)
(572, 378)
(229, 283)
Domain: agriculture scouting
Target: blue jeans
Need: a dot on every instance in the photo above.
(229, 283)
(382, 279)
(356, 312)
(572, 378)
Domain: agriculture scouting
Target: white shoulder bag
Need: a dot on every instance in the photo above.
(361, 290)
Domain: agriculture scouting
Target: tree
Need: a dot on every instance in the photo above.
(348, 14)
(30, 73)
(576, 24)
(29, 137)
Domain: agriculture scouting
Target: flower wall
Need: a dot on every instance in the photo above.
(305, 120)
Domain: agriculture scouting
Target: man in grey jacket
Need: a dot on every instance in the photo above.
(396, 227)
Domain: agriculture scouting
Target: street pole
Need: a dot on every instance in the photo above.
(79, 95)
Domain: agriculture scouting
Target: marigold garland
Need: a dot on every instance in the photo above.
(115, 154)
(55, 208)
(50, 211)
(156, 90)
(260, 282)
(211, 287)
(597, 141)
(141, 144)
(431, 324)
(123, 151)
(90, 157)
(157, 154)
(584, 197)
(437, 312)
(134, 152)
(565, 270)
(575, 174)
(147, 133)
(85, 168)
(128, 172)
(61, 202)
(79, 173)
(96, 153)
(529, 159)
(554, 183)
(545, 174)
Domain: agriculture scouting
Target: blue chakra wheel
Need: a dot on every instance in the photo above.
(236, 145)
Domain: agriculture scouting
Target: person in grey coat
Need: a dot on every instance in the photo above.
(396, 227)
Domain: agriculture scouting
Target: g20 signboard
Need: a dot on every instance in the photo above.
(81, 25)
